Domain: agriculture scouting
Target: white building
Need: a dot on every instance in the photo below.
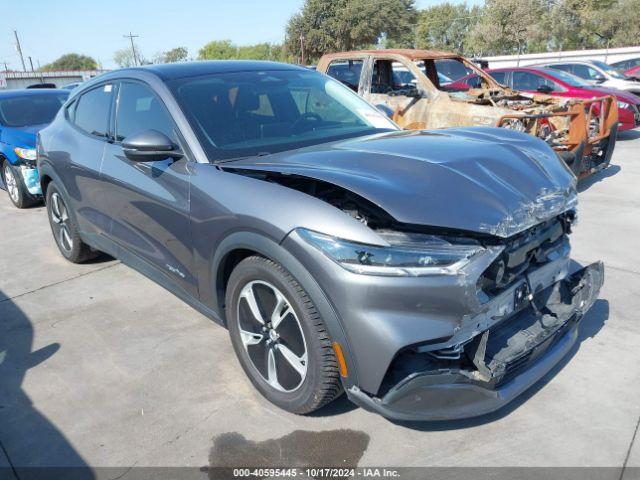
(15, 80)
(608, 55)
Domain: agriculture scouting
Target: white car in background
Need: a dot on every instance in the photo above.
(597, 73)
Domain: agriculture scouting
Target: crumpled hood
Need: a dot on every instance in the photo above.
(479, 179)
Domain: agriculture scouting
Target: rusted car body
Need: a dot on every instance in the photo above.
(418, 89)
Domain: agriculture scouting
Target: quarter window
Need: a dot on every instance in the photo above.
(91, 112)
(140, 109)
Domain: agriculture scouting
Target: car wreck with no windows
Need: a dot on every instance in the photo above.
(419, 89)
(427, 274)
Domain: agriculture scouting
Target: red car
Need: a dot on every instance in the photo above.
(561, 84)
(633, 72)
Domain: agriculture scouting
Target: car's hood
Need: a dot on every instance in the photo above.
(621, 95)
(489, 180)
(24, 137)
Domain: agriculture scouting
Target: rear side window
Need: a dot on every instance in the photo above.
(139, 109)
(90, 112)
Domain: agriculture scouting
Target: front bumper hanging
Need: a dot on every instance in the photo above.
(509, 357)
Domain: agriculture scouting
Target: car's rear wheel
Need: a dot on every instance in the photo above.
(64, 228)
(15, 186)
(279, 337)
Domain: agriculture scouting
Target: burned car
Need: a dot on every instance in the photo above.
(420, 89)
(426, 274)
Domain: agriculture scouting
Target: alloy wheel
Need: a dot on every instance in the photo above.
(272, 336)
(11, 183)
(60, 217)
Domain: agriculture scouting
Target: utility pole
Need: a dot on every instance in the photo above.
(31, 62)
(19, 48)
(302, 49)
(6, 68)
(133, 48)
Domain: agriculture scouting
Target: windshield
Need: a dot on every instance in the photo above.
(567, 78)
(30, 109)
(608, 68)
(254, 113)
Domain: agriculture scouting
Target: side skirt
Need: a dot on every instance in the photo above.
(108, 246)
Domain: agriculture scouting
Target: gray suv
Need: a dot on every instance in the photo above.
(426, 274)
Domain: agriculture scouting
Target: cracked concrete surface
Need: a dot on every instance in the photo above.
(101, 367)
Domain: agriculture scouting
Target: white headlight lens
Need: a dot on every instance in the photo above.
(408, 255)
(25, 153)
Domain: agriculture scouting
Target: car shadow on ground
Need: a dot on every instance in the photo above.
(597, 177)
(589, 327)
(34, 446)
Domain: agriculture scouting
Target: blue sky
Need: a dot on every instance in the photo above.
(48, 28)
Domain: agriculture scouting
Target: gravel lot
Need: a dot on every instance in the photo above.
(101, 367)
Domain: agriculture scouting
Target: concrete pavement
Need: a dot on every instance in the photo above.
(101, 367)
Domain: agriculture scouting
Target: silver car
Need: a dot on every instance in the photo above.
(426, 274)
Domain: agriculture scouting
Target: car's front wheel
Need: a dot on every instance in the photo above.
(64, 228)
(280, 338)
(15, 186)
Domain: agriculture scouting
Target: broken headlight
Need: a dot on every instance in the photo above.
(407, 255)
(25, 153)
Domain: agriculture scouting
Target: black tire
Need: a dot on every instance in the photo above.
(65, 229)
(321, 382)
(16, 189)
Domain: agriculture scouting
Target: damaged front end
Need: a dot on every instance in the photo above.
(484, 372)
(453, 277)
(582, 132)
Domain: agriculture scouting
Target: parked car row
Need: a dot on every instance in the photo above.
(426, 273)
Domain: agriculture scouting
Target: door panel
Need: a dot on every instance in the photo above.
(79, 158)
(149, 201)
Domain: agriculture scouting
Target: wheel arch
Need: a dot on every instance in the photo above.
(240, 245)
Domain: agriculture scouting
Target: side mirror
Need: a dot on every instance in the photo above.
(545, 89)
(150, 146)
(599, 78)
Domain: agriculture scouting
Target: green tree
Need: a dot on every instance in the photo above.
(446, 27)
(226, 50)
(124, 58)
(324, 26)
(72, 61)
(509, 27)
(218, 50)
(178, 54)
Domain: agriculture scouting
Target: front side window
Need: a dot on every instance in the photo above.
(530, 81)
(30, 109)
(91, 111)
(347, 72)
(139, 109)
(500, 77)
(250, 113)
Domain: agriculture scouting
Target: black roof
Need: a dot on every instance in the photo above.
(170, 71)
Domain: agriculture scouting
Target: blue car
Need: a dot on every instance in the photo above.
(23, 113)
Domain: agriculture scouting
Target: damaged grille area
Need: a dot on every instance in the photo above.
(530, 249)
(493, 357)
